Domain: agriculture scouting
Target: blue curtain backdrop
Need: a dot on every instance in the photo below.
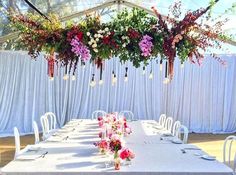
(202, 98)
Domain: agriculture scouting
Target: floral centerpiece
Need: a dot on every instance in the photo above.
(116, 145)
(103, 146)
(127, 154)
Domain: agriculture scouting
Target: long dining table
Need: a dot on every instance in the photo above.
(71, 150)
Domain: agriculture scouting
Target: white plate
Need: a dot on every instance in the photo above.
(207, 157)
(177, 141)
(33, 148)
(167, 134)
(157, 127)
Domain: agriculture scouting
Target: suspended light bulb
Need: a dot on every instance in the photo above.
(182, 65)
(73, 78)
(51, 78)
(66, 77)
(100, 82)
(144, 71)
(126, 78)
(161, 65)
(114, 80)
(166, 81)
(93, 82)
(150, 75)
(126, 74)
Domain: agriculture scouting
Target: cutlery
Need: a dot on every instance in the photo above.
(65, 138)
(43, 155)
(192, 148)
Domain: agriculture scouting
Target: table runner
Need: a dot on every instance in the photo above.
(77, 154)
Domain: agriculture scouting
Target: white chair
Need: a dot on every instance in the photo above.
(168, 124)
(128, 114)
(45, 126)
(176, 127)
(17, 142)
(98, 113)
(52, 121)
(36, 133)
(183, 130)
(230, 140)
(162, 120)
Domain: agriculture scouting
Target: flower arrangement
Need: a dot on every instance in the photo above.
(131, 36)
(103, 146)
(127, 154)
(115, 144)
(114, 129)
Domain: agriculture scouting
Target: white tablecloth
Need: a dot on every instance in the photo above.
(78, 155)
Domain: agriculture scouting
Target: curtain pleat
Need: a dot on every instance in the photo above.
(202, 97)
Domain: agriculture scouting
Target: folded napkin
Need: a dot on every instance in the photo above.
(30, 155)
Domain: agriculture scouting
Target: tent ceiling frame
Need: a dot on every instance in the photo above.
(99, 7)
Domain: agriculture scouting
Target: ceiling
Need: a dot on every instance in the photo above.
(68, 7)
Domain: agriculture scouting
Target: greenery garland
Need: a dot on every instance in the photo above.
(131, 36)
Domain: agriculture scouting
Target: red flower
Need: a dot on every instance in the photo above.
(103, 144)
(80, 36)
(115, 145)
(100, 118)
(124, 154)
(133, 34)
(127, 154)
(106, 40)
(100, 134)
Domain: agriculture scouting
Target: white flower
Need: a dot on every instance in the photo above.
(124, 45)
(92, 40)
(95, 50)
(94, 45)
(90, 43)
(97, 39)
(96, 35)
(88, 34)
(123, 37)
(100, 36)
(99, 31)
(121, 28)
(106, 29)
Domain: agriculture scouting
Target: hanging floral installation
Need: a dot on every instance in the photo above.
(133, 36)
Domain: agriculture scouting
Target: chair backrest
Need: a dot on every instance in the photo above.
(168, 124)
(45, 125)
(36, 132)
(183, 130)
(228, 144)
(176, 127)
(162, 119)
(17, 141)
(129, 115)
(52, 120)
(98, 113)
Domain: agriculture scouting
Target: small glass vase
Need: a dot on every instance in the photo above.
(116, 161)
(103, 151)
(128, 162)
